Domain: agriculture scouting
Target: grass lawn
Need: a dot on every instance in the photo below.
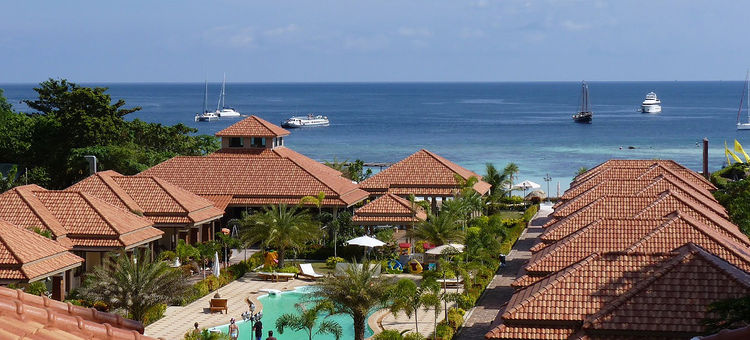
(510, 214)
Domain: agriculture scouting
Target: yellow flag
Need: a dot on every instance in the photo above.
(726, 153)
(738, 148)
(730, 153)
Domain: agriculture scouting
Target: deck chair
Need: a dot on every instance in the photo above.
(306, 271)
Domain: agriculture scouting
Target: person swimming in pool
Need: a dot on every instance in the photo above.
(234, 331)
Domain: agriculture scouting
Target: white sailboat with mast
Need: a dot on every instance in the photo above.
(206, 116)
(221, 108)
(584, 114)
(744, 101)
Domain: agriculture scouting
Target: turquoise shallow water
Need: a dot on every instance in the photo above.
(468, 123)
(276, 305)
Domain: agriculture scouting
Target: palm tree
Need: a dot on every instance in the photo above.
(432, 299)
(317, 201)
(496, 179)
(438, 230)
(134, 283)
(305, 320)
(280, 227)
(409, 298)
(582, 170)
(356, 293)
(511, 169)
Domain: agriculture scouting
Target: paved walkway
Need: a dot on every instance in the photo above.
(482, 318)
(178, 320)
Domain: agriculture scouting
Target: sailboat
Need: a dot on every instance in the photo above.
(746, 99)
(221, 108)
(584, 114)
(206, 116)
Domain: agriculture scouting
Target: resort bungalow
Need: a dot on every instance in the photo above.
(425, 175)
(88, 225)
(27, 257)
(180, 214)
(254, 169)
(389, 210)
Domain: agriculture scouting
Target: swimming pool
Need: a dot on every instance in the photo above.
(276, 305)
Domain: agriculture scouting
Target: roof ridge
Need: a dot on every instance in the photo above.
(551, 249)
(449, 164)
(21, 191)
(653, 232)
(116, 189)
(158, 182)
(96, 209)
(313, 175)
(711, 233)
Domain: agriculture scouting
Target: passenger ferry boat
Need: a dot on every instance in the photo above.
(305, 121)
(652, 104)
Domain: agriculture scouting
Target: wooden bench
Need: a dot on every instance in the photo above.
(218, 305)
(276, 277)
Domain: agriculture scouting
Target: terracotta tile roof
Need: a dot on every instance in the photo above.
(530, 332)
(267, 177)
(388, 209)
(422, 174)
(633, 173)
(26, 316)
(84, 219)
(253, 126)
(220, 201)
(627, 293)
(28, 256)
(644, 163)
(21, 207)
(159, 200)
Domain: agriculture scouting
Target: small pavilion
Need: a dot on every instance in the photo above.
(389, 209)
(180, 214)
(425, 175)
(26, 257)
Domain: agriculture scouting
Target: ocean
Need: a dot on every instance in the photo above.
(527, 123)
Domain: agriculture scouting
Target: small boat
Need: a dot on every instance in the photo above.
(221, 108)
(305, 121)
(744, 101)
(206, 116)
(584, 114)
(651, 104)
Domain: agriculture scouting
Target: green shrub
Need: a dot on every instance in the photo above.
(154, 313)
(289, 269)
(36, 288)
(332, 261)
(239, 270)
(465, 301)
(530, 212)
(212, 282)
(414, 336)
(388, 334)
(455, 318)
(101, 306)
(167, 255)
(444, 331)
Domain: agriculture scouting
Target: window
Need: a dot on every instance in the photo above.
(258, 142)
(235, 142)
(281, 141)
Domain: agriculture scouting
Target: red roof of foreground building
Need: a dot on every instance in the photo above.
(253, 126)
(422, 174)
(160, 201)
(27, 256)
(26, 316)
(620, 295)
(388, 209)
(258, 177)
(644, 163)
(647, 172)
(78, 218)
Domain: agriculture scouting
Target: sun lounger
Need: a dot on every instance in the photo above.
(218, 305)
(276, 277)
(307, 272)
(450, 282)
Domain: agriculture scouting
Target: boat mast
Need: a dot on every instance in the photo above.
(745, 91)
(747, 78)
(205, 97)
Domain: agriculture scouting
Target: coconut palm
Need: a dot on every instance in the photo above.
(280, 227)
(134, 283)
(356, 293)
(511, 169)
(496, 179)
(438, 230)
(305, 320)
(409, 298)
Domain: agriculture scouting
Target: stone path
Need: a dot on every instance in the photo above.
(481, 318)
(177, 320)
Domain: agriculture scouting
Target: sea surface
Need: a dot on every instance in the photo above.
(469, 123)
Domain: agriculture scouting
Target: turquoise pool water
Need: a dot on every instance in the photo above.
(276, 305)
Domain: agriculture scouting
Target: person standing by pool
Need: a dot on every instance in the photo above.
(258, 328)
(234, 331)
(270, 336)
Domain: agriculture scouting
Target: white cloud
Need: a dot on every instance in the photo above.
(574, 26)
(243, 38)
(274, 32)
(414, 32)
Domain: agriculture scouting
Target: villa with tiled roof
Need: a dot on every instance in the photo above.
(389, 209)
(26, 316)
(425, 175)
(179, 213)
(79, 221)
(254, 169)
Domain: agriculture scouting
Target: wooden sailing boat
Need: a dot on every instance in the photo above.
(744, 98)
(584, 114)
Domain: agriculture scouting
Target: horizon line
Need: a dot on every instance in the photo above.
(380, 82)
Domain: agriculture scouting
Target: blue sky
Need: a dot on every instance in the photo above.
(422, 40)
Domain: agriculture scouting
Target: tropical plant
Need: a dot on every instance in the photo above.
(510, 170)
(406, 296)
(281, 227)
(497, 179)
(728, 314)
(206, 335)
(431, 298)
(582, 170)
(438, 230)
(317, 201)
(134, 283)
(356, 293)
(186, 252)
(306, 319)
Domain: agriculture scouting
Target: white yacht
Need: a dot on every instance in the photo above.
(652, 104)
(206, 116)
(221, 108)
(305, 121)
(744, 102)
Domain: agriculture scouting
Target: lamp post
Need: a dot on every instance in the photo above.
(547, 179)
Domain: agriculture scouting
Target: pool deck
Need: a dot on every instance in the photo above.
(178, 320)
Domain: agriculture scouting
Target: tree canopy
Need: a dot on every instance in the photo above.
(70, 121)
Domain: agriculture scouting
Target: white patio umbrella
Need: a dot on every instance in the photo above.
(216, 269)
(449, 248)
(526, 185)
(366, 241)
